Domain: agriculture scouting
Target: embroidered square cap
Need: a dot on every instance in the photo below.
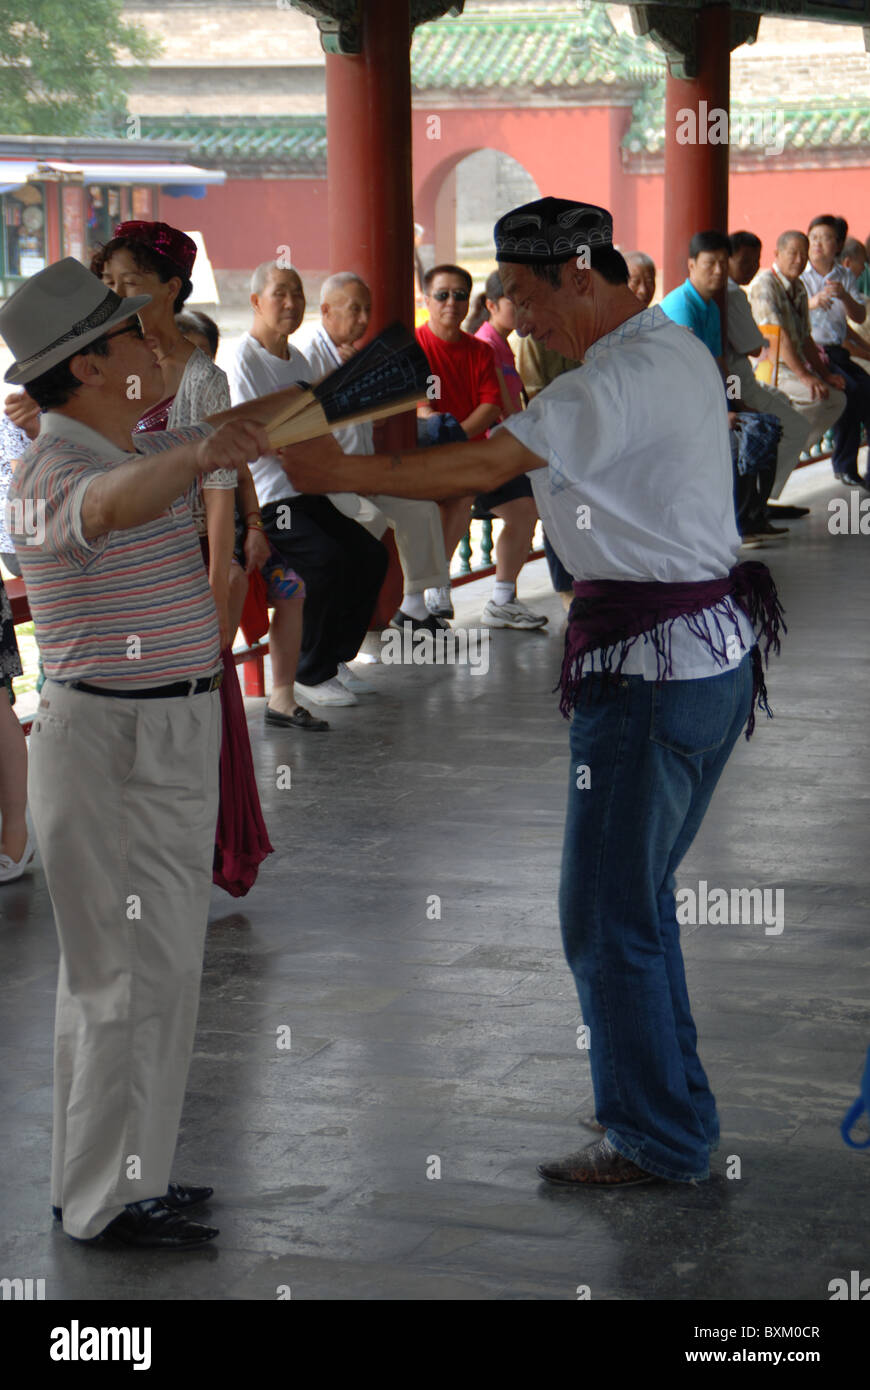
(551, 231)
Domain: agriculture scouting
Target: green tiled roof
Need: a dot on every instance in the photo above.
(796, 128)
(299, 143)
(520, 52)
(296, 141)
(529, 51)
(841, 125)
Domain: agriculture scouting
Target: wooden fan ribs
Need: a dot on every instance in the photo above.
(386, 377)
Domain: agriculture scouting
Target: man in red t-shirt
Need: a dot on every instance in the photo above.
(468, 385)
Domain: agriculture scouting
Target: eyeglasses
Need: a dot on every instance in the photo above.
(134, 327)
(459, 295)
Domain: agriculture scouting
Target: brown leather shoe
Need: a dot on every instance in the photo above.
(598, 1165)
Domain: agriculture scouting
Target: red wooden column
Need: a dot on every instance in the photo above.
(371, 221)
(368, 132)
(696, 174)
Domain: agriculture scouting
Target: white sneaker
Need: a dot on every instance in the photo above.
(439, 602)
(330, 692)
(351, 681)
(10, 869)
(513, 614)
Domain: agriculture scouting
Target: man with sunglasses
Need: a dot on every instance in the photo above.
(465, 384)
(123, 777)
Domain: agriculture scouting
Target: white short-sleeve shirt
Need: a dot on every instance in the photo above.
(323, 357)
(829, 323)
(255, 372)
(639, 483)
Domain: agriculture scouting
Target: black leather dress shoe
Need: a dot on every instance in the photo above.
(300, 719)
(775, 512)
(153, 1224)
(178, 1197)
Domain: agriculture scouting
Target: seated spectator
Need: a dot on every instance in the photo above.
(511, 548)
(841, 232)
(641, 276)
(342, 566)
(854, 258)
(493, 319)
(744, 339)
(466, 385)
(778, 297)
(200, 330)
(345, 310)
(833, 298)
(753, 443)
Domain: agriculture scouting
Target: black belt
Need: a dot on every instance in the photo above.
(154, 692)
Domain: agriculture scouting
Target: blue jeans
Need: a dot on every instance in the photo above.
(654, 753)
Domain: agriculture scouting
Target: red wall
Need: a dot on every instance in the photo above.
(244, 221)
(777, 200)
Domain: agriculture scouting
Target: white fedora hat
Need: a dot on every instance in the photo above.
(56, 313)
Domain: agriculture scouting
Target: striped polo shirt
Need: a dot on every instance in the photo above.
(129, 608)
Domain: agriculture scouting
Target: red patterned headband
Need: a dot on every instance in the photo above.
(167, 241)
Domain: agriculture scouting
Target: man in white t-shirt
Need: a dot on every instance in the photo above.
(345, 309)
(342, 565)
(631, 469)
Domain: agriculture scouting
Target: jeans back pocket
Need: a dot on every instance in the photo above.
(696, 716)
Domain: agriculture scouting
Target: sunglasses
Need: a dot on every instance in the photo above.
(460, 296)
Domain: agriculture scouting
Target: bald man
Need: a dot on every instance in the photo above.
(342, 565)
(345, 311)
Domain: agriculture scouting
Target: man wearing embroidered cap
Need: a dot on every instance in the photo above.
(661, 670)
(125, 742)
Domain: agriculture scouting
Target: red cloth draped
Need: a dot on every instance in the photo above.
(255, 614)
(241, 841)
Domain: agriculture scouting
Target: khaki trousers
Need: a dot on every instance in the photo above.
(124, 797)
(418, 531)
(819, 415)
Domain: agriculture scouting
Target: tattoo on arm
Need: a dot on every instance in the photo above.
(395, 462)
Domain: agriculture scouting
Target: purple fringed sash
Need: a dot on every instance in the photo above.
(608, 616)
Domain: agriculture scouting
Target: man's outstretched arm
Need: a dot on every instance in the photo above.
(435, 474)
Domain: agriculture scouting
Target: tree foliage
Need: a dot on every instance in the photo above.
(59, 65)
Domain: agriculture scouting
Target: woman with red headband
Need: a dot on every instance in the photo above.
(156, 259)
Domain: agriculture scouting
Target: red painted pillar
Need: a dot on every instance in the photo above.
(368, 132)
(371, 221)
(696, 174)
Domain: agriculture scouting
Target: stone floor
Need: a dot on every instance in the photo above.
(422, 1041)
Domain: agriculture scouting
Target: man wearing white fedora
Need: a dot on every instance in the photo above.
(124, 750)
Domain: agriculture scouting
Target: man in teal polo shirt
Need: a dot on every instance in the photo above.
(692, 303)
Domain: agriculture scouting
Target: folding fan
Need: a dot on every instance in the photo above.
(384, 378)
